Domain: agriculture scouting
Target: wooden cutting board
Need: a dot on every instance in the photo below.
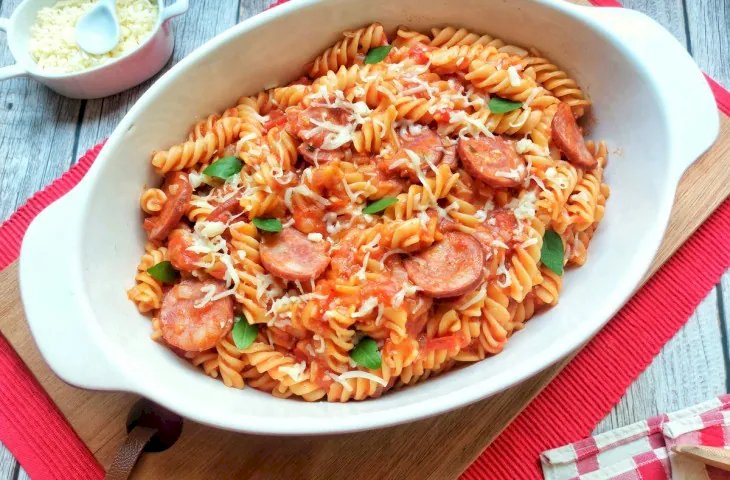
(435, 448)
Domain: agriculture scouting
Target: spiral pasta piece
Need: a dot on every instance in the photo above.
(555, 80)
(279, 367)
(187, 154)
(152, 200)
(346, 50)
(371, 135)
(499, 82)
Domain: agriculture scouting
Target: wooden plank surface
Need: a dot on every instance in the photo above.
(690, 369)
(62, 129)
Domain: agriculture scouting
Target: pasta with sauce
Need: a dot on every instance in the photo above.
(401, 210)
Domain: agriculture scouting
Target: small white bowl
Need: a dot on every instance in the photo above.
(126, 71)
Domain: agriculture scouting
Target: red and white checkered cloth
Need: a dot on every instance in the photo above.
(641, 451)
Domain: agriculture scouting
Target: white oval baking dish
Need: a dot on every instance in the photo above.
(79, 255)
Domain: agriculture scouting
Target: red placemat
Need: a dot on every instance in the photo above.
(38, 435)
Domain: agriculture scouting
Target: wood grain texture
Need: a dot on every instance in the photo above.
(709, 36)
(669, 13)
(723, 292)
(690, 369)
(37, 133)
(249, 8)
(8, 465)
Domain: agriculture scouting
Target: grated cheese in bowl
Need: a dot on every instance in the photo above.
(53, 45)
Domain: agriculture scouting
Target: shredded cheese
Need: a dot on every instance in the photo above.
(52, 44)
(366, 308)
(296, 371)
(514, 77)
(342, 378)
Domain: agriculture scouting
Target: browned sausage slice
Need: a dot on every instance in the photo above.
(179, 191)
(303, 123)
(424, 143)
(292, 256)
(223, 211)
(192, 328)
(493, 160)
(449, 268)
(450, 156)
(568, 138)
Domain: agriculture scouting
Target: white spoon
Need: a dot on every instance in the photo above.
(97, 32)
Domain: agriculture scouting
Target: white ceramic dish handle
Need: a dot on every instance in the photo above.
(90, 365)
(170, 11)
(10, 71)
(691, 107)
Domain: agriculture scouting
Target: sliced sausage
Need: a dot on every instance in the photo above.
(178, 191)
(493, 160)
(276, 119)
(177, 250)
(303, 123)
(568, 138)
(317, 156)
(449, 157)
(449, 268)
(195, 328)
(292, 256)
(421, 141)
(499, 226)
(226, 209)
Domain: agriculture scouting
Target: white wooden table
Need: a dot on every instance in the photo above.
(42, 135)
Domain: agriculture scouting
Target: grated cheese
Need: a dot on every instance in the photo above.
(360, 275)
(524, 207)
(342, 378)
(473, 299)
(529, 242)
(366, 308)
(502, 270)
(372, 244)
(400, 295)
(304, 191)
(211, 229)
(52, 44)
(296, 371)
(514, 77)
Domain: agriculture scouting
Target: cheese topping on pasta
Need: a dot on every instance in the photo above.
(402, 209)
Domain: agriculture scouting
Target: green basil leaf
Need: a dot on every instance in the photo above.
(377, 54)
(163, 272)
(552, 253)
(244, 333)
(366, 353)
(268, 224)
(502, 105)
(379, 205)
(224, 167)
